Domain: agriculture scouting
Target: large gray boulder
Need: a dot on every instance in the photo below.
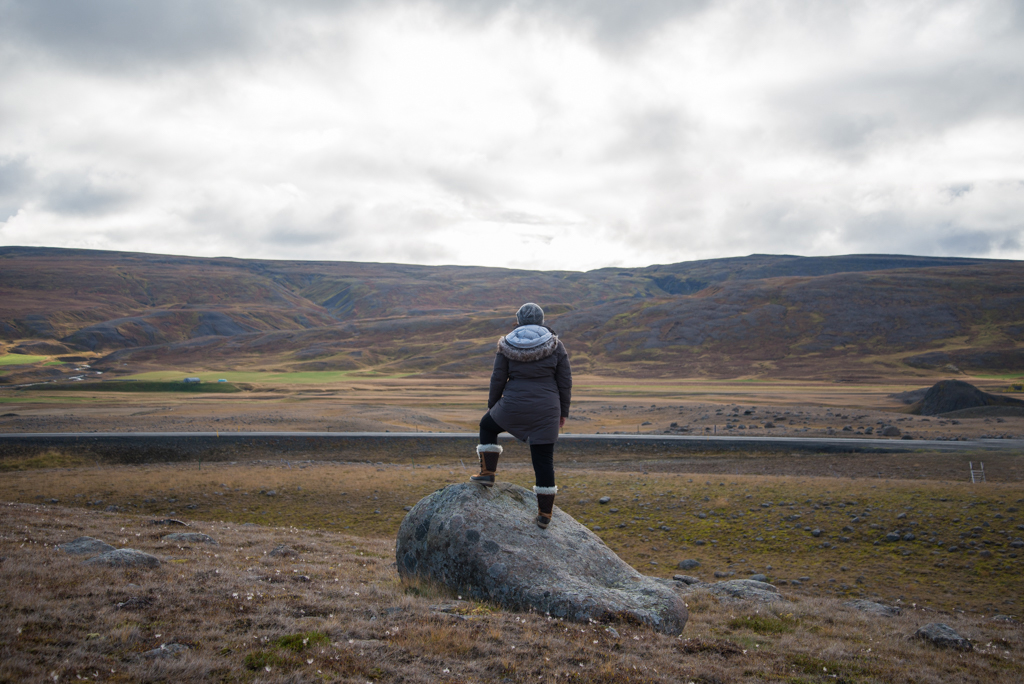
(483, 542)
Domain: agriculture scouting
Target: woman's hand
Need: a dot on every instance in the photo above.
(561, 421)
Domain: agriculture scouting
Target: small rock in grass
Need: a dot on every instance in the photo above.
(892, 537)
(816, 532)
(406, 508)
(112, 509)
(1017, 544)
(169, 521)
(166, 651)
(84, 545)
(944, 636)
(759, 578)
(909, 536)
(745, 589)
(125, 558)
(604, 500)
(873, 608)
(271, 493)
(283, 550)
(135, 603)
(688, 564)
(190, 538)
(686, 579)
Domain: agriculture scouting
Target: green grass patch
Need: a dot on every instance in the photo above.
(258, 660)
(303, 640)
(201, 388)
(22, 399)
(50, 459)
(21, 359)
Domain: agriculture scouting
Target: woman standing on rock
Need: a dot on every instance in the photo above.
(531, 386)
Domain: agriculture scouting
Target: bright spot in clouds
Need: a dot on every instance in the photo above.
(529, 134)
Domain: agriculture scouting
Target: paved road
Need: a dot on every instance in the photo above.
(684, 442)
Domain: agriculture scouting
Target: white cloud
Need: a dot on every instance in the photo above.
(542, 135)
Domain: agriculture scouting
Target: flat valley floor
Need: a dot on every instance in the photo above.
(908, 530)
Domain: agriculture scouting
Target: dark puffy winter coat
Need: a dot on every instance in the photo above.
(530, 390)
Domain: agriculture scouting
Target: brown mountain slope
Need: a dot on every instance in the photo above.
(759, 315)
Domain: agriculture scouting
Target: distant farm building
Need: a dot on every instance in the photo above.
(189, 381)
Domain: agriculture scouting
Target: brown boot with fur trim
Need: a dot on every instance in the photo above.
(545, 505)
(488, 454)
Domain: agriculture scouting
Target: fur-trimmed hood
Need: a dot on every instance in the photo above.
(537, 353)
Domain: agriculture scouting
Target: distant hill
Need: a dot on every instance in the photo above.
(843, 317)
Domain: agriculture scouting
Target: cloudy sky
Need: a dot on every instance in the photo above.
(568, 134)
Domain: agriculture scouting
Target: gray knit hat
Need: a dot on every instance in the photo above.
(530, 314)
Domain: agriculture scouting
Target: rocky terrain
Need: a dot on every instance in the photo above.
(287, 573)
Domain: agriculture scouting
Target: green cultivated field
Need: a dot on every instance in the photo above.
(20, 359)
(201, 388)
(262, 377)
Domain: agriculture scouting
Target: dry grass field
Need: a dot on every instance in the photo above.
(336, 610)
(600, 404)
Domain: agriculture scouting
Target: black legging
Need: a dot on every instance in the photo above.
(542, 455)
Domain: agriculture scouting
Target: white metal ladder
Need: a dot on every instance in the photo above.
(977, 474)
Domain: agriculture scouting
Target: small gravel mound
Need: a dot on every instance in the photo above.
(956, 395)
